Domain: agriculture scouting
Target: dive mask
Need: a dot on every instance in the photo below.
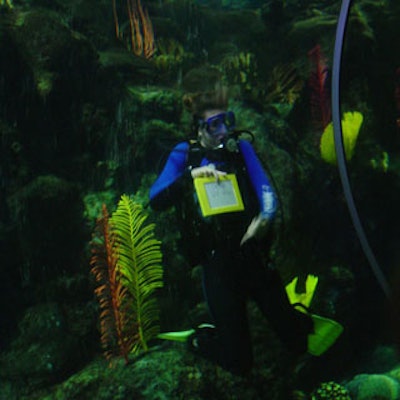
(219, 124)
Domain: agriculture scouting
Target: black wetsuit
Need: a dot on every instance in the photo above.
(232, 274)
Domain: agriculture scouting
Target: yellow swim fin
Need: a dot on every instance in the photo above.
(179, 336)
(326, 331)
(302, 298)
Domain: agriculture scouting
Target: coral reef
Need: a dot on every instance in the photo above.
(84, 119)
(330, 391)
(374, 386)
(35, 357)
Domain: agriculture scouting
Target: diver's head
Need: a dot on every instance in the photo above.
(214, 127)
(211, 122)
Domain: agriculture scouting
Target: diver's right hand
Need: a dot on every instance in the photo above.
(207, 171)
(256, 229)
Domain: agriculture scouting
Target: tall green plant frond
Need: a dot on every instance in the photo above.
(139, 263)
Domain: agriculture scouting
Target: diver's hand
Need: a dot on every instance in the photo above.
(256, 229)
(207, 171)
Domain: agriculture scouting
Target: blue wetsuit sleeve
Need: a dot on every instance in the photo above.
(162, 193)
(259, 180)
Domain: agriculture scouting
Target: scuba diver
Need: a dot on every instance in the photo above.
(224, 196)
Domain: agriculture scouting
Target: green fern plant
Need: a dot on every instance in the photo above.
(139, 264)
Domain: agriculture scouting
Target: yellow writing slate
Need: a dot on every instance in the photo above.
(218, 197)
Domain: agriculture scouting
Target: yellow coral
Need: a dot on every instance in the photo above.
(240, 69)
(284, 85)
(351, 124)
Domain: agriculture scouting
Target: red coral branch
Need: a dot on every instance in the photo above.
(320, 97)
(109, 291)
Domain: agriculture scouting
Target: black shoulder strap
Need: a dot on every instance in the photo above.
(195, 153)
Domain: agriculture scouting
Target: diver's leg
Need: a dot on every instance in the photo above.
(229, 345)
(268, 290)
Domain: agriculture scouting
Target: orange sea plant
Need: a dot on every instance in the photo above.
(109, 290)
(141, 34)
